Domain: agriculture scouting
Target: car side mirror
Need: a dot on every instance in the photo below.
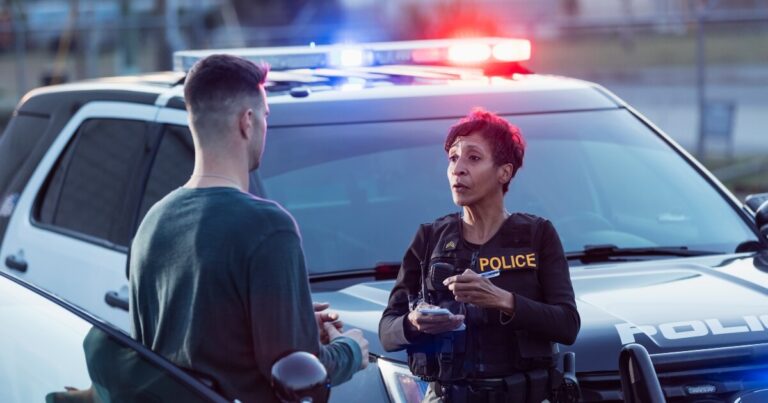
(639, 383)
(754, 201)
(299, 377)
(761, 218)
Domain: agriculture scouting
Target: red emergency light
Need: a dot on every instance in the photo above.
(477, 52)
(469, 53)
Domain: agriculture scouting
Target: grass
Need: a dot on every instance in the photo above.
(732, 46)
(755, 181)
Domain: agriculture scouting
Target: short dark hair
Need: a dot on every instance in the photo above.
(214, 81)
(507, 143)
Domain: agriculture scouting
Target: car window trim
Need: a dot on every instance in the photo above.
(65, 160)
(156, 133)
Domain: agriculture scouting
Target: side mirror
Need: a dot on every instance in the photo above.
(639, 383)
(761, 218)
(754, 201)
(300, 377)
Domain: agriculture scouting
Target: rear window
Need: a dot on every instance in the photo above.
(171, 168)
(16, 144)
(90, 191)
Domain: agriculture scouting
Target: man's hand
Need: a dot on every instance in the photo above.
(326, 317)
(434, 324)
(354, 334)
(472, 288)
(74, 395)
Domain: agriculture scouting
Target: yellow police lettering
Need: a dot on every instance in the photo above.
(483, 263)
(508, 262)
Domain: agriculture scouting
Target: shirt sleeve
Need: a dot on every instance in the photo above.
(282, 319)
(394, 332)
(559, 305)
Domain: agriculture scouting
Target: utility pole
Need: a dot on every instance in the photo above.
(173, 38)
(78, 38)
(128, 55)
(161, 46)
(701, 73)
(19, 24)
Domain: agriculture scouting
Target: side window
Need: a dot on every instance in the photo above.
(171, 168)
(90, 189)
(23, 132)
(17, 143)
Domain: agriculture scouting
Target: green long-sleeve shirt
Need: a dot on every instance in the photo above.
(219, 286)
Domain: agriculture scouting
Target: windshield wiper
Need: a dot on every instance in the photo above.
(379, 271)
(610, 252)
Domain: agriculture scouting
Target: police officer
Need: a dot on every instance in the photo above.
(497, 343)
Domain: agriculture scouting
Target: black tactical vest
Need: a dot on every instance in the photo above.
(487, 348)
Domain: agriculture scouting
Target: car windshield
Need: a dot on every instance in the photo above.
(359, 191)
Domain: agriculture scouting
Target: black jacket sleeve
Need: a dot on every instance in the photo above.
(394, 332)
(555, 318)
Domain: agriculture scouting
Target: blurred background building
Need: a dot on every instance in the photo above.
(697, 68)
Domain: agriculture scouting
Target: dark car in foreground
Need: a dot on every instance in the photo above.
(53, 352)
(660, 252)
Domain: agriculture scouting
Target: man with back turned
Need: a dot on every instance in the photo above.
(218, 280)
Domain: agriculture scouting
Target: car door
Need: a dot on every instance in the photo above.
(53, 353)
(73, 222)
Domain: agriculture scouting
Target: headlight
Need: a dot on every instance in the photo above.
(401, 385)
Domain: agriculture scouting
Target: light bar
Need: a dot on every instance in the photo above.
(352, 58)
(469, 53)
(430, 52)
(512, 51)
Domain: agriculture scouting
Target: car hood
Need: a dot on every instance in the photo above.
(665, 305)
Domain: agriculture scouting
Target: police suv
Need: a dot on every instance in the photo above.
(661, 253)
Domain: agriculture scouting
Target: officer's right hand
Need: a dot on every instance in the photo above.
(354, 334)
(434, 324)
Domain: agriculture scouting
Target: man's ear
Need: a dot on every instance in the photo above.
(246, 122)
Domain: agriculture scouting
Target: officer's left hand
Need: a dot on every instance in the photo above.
(472, 288)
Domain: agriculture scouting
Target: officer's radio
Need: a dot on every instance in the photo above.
(436, 293)
(437, 273)
(441, 359)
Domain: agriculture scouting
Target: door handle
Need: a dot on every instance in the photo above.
(16, 262)
(113, 299)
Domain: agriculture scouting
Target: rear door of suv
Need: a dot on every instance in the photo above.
(72, 225)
